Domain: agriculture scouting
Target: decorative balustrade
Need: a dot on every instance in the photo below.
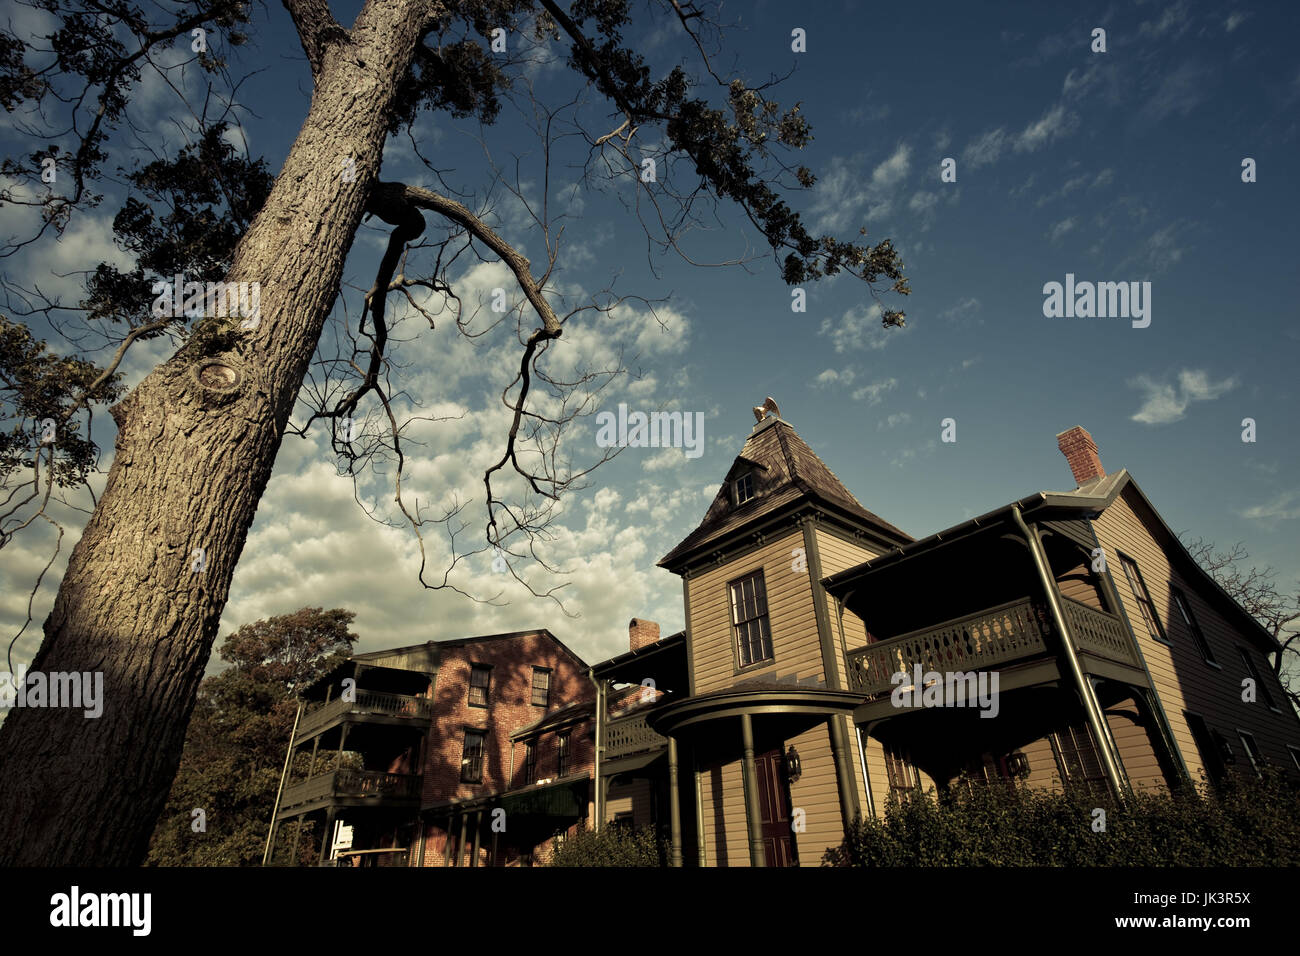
(352, 783)
(982, 641)
(366, 702)
(630, 735)
(978, 642)
(1098, 633)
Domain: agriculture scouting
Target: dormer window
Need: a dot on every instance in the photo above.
(742, 488)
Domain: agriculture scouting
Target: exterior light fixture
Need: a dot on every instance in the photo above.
(793, 766)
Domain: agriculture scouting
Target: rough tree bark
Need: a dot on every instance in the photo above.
(194, 453)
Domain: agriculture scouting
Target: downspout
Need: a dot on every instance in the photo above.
(266, 853)
(1092, 709)
(600, 726)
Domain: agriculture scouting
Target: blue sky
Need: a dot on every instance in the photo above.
(1116, 166)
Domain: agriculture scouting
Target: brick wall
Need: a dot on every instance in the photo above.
(509, 707)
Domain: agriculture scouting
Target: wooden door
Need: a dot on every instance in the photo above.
(774, 810)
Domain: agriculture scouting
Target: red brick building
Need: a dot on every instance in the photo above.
(476, 751)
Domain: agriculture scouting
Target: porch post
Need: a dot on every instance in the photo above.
(460, 844)
(327, 837)
(753, 815)
(843, 776)
(674, 803)
(699, 809)
(1096, 719)
(478, 832)
(451, 838)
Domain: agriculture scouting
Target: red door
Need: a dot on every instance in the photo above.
(774, 809)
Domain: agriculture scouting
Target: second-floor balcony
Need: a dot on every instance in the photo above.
(391, 708)
(631, 735)
(352, 787)
(1010, 633)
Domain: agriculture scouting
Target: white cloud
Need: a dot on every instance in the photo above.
(1235, 19)
(1165, 402)
(874, 392)
(1283, 507)
(1061, 228)
(892, 170)
(985, 149)
(860, 328)
(834, 377)
(894, 420)
(1053, 124)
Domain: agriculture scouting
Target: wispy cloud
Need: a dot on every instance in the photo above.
(1059, 229)
(835, 377)
(894, 420)
(874, 392)
(860, 328)
(1165, 402)
(1282, 508)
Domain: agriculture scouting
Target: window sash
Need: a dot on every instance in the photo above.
(1264, 695)
(744, 488)
(562, 755)
(1185, 609)
(749, 620)
(480, 679)
(471, 761)
(541, 687)
(530, 762)
(1143, 597)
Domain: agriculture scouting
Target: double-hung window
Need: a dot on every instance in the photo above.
(749, 620)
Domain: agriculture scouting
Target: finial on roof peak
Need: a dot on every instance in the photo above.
(761, 411)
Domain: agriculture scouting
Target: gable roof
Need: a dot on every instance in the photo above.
(785, 471)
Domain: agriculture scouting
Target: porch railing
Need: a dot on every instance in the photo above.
(352, 783)
(999, 635)
(977, 642)
(630, 735)
(1099, 633)
(366, 702)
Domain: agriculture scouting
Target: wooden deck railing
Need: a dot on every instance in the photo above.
(366, 702)
(630, 735)
(352, 783)
(1098, 633)
(982, 641)
(977, 642)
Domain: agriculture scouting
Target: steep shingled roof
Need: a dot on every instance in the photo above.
(785, 470)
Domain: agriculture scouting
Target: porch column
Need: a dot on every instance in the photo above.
(843, 775)
(451, 838)
(753, 815)
(460, 844)
(699, 809)
(674, 803)
(327, 837)
(297, 842)
(478, 832)
(1091, 708)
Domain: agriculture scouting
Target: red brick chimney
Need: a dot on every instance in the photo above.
(1081, 452)
(642, 633)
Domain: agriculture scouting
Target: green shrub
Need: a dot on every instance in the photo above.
(1249, 822)
(613, 846)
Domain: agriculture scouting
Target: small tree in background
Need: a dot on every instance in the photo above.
(235, 745)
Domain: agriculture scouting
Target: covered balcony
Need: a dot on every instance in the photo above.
(351, 788)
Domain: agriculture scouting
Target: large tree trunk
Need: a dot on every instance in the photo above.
(192, 461)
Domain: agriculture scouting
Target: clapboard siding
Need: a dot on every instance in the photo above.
(723, 831)
(1136, 751)
(631, 797)
(1182, 678)
(791, 618)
